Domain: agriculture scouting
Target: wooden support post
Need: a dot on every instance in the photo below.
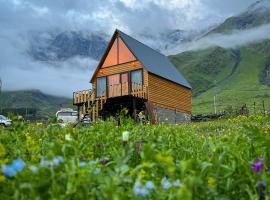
(134, 107)
(97, 102)
(93, 112)
(78, 110)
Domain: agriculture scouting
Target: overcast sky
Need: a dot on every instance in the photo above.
(18, 18)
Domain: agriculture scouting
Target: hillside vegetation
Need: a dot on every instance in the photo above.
(235, 76)
(45, 105)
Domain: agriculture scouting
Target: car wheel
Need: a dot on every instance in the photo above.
(2, 125)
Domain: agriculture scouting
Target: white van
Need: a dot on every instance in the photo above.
(4, 121)
(67, 116)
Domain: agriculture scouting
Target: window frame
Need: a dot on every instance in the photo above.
(106, 86)
(135, 71)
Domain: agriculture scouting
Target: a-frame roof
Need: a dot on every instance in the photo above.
(153, 61)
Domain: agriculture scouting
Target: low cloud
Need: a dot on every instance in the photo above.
(236, 39)
(20, 18)
(19, 71)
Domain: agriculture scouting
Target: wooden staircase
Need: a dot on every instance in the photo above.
(96, 108)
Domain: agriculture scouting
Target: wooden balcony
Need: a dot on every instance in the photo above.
(117, 90)
(83, 96)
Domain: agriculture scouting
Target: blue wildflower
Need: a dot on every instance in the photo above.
(57, 160)
(43, 162)
(92, 162)
(18, 164)
(149, 185)
(8, 170)
(139, 190)
(166, 184)
(96, 171)
(33, 168)
(83, 164)
(176, 183)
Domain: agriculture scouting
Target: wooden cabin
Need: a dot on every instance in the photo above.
(132, 75)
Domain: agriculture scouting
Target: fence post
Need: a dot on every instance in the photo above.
(254, 107)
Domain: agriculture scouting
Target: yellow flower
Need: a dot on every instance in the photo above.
(2, 178)
(39, 124)
(171, 170)
(212, 182)
(2, 151)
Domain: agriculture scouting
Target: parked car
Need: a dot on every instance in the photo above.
(67, 116)
(4, 121)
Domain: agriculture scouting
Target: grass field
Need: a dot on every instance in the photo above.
(224, 159)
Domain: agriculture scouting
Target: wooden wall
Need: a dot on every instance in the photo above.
(167, 94)
(106, 71)
(119, 68)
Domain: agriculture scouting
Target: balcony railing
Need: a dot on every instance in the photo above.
(116, 90)
(83, 96)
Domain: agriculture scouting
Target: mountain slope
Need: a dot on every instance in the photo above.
(45, 105)
(204, 68)
(256, 15)
(240, 81)
(49, 46)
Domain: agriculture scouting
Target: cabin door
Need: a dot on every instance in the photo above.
(124, 82)
(114, 85)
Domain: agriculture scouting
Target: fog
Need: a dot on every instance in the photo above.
(20, 18)
(236, 39)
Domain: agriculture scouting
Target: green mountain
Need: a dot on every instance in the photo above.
(32, 101)
(256, 15)
(236, 76)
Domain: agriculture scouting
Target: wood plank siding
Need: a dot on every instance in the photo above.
(116, 69)
(168, 94)
(126, 67)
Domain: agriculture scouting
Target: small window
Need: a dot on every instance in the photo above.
(101, 86)
(62, 114)
(136, 77)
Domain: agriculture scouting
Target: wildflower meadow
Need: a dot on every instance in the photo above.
(223, 159)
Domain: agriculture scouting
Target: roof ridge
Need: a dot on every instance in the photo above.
(121, 32)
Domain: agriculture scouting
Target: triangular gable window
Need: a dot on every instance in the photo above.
(124, 53)
(111, 58)
(118, 54)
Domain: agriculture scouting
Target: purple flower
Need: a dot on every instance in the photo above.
(257, 166)
(261, 184)
(261, 189)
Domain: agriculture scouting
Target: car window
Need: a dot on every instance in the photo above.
(3, 117)
(62, 114)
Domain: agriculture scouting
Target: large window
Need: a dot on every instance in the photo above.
(101, 86)
(136, 79)
(118, 54)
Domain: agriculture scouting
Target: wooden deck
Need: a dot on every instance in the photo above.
(89, 96)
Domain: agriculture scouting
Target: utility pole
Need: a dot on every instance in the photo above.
(215, 97)
(215, 106)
